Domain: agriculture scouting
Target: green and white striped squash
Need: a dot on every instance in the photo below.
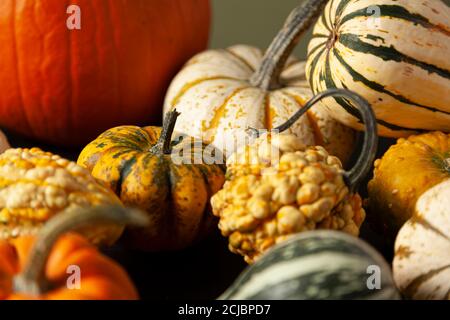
(315, 265)
(395, 53)
(422, 255)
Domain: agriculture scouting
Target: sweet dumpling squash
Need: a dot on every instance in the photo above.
(394, 53)
(277, 187)
(422, 249)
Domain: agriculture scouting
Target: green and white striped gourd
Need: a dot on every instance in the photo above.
(395, 53)
(316, 265)
(422, 248)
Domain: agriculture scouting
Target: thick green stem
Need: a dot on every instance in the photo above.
(32, 280)
(267, 77)
(165, 139)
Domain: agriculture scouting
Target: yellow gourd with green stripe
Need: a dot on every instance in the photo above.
(395, 53)
(169, 179)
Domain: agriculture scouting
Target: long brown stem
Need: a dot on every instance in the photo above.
(369, 150)
(267, 77)
(32, 280)
(165, 139)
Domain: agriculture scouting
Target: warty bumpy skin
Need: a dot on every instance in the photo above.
(277, 187)
(36, 185)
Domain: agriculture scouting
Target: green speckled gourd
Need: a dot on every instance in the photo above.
(316, 265)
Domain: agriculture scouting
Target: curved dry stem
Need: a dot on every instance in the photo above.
(32, 280)
(267, 77)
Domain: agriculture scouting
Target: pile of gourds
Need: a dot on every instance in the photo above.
(252, 143)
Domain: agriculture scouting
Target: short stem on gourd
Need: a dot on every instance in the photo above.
(267, 77)
(165, 139)
(368, 153)
(31, 281)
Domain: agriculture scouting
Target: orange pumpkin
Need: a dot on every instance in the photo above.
(405, 172)
(67, 86)
(40, 268)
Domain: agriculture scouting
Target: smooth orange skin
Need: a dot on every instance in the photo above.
(101, 277)
(66, 86)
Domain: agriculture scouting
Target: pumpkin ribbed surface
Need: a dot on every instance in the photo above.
(218, 103)
(65, 86)
(36, 185)
(175, 195)
(392, 52)
(264, 201)
(403, 174)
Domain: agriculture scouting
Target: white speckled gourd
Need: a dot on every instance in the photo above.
(277, 187)
(220, 93)
(422, 257)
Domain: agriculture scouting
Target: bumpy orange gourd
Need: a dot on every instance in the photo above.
(265, 200)
(67, 86)
(403, 174)
(169, 179)
(37, 185)
(37, 267)
(277, 187)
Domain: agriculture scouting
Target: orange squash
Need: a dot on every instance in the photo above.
(403, 174)
(67, 86)
(38, 268)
